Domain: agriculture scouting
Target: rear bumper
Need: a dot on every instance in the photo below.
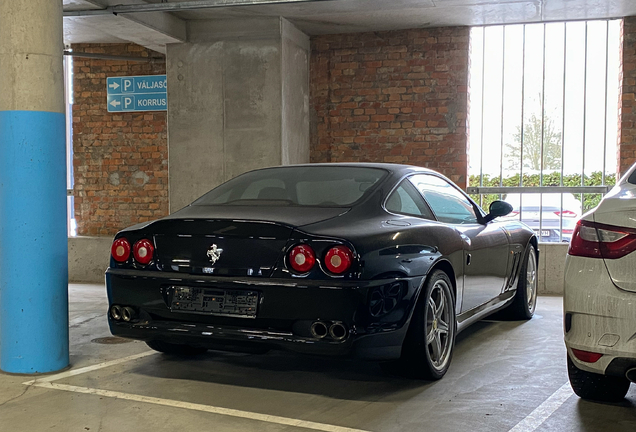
(286, 310)
(552, 228)
(599, 317)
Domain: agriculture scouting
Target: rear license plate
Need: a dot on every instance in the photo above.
(544, 233)
(212, 301)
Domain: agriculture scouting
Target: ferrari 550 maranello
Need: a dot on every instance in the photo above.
(379, 261)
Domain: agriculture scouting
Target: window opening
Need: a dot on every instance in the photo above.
(544, 119)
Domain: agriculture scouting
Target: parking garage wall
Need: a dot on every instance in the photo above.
(393, 96)
(627, 99)
(120, 160)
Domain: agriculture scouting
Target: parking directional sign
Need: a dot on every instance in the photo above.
(137, 93)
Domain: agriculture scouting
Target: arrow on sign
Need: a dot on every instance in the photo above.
(114, 86)
(115, 103)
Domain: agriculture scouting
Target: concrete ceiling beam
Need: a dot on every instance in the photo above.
(176, 7)
(164, 23)
(154, 29)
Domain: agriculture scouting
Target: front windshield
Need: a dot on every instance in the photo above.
(323, 186)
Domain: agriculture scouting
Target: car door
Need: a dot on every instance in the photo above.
(486, 247)
(426, 231)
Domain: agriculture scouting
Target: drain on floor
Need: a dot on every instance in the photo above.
(111, 340)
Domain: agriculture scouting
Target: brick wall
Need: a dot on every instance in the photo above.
(396, 96)
(120, 161)
(626, 149)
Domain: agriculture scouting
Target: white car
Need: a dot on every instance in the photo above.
(548, 214)
(600, 296)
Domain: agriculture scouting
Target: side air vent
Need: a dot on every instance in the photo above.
(385, 298)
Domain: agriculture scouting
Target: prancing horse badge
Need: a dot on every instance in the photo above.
(214, 253)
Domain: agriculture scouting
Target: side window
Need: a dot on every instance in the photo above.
(405, 199)
(448, 203)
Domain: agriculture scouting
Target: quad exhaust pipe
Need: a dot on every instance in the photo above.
(128, 314)
(319, 330)
(115, 312)
(336, 331)
(631, 375)
(122, 313)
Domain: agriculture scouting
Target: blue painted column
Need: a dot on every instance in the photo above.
(33, 233)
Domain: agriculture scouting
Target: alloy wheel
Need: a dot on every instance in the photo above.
(439, 327)
(531, 281)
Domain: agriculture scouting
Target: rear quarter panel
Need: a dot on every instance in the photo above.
(392, 244)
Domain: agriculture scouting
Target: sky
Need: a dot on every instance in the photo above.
(508, 75)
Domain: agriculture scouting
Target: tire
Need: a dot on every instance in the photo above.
(428, 347)
(176, 349)
(525, 300)
(596, 387)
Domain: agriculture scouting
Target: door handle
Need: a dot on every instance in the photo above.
(468, 257)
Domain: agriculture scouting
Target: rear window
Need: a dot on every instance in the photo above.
(321, 186)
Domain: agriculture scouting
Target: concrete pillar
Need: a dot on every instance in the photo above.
(33, 236)
(238, 99)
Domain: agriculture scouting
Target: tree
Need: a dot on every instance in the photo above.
(532, 146)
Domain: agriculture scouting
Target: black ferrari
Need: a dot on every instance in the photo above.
(379, 261)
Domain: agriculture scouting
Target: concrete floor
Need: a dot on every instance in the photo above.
(501, 373)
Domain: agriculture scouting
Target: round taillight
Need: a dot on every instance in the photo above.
(143, 251)
(302, 258)
(338, 259)
(120, 250)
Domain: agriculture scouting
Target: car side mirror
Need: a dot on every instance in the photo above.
(497, 209)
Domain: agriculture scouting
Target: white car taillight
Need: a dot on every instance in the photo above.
(594, 240)
(566, 213)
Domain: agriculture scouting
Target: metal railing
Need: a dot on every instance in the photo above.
(483, 190)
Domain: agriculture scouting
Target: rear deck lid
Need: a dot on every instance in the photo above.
(229, 240)
(219, 247)
(293, 216)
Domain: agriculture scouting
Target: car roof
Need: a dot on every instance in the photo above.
(392, 167)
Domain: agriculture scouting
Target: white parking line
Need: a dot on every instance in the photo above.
(530, 423)
(285, 421)
(47, 382)
(545, 410)
(74, 372)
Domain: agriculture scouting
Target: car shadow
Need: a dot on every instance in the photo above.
(595, 416)
(338, 378)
